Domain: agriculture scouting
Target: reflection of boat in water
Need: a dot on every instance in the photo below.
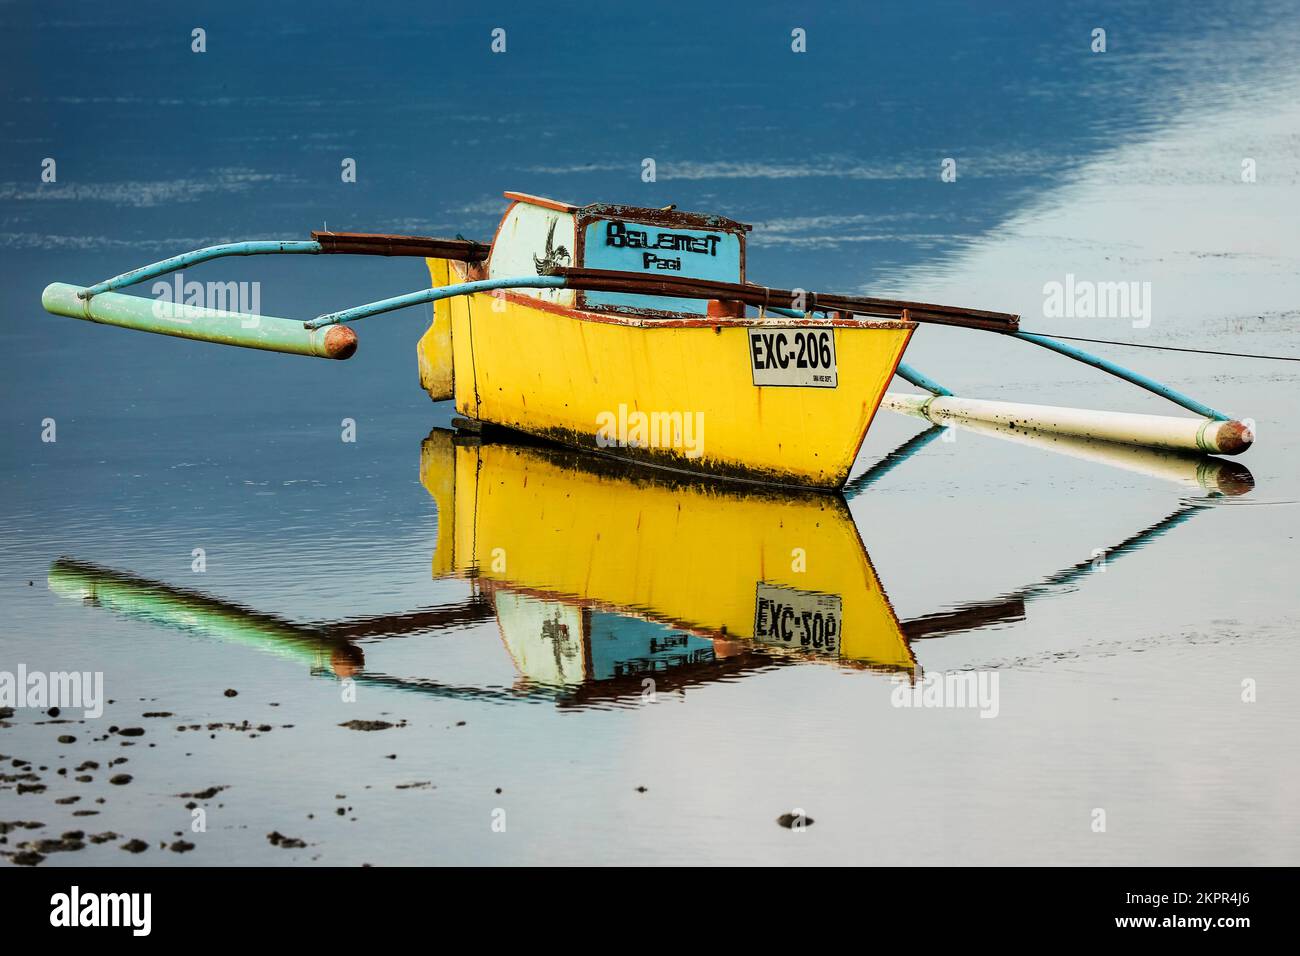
(603, 575)
(601, 571)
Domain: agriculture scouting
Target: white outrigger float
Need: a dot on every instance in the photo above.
(575, 318)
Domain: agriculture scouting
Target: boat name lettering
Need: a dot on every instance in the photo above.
(651, 261)
(618, 235)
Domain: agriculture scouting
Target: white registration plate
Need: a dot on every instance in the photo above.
(793, 357)
(788, 617)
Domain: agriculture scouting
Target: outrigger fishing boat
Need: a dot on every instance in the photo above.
(636, 333)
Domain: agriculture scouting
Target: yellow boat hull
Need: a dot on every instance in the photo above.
(675, 393)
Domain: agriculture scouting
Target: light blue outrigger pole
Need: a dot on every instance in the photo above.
(256, 247)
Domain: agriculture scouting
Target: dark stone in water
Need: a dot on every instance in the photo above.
(180, 846)
(120, 779)
(284, 842)
(207, 794)
(231, 692)
(132, 732)
(792, 820)
(135, 846)
(367, 725)
(63, 844)
(67, 739)
(6, 826)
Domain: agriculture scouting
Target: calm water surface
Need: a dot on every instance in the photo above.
(516, 681)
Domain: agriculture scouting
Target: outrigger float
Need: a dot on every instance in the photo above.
(635, 333)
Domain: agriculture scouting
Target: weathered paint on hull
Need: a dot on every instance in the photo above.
(560, 374)
(693, 554)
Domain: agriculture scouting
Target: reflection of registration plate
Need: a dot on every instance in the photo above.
(803, 619)
(801, 357)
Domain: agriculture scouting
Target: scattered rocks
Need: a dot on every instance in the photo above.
(103, 837)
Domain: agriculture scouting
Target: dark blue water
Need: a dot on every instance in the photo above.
(1121, 689)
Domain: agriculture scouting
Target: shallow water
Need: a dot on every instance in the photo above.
(1120, 611)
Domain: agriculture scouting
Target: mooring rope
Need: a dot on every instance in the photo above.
(1172, 348)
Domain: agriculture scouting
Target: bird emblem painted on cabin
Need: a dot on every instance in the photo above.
(554, 257)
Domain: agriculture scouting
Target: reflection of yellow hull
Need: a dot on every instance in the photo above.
(558, 373)
(694, 555)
